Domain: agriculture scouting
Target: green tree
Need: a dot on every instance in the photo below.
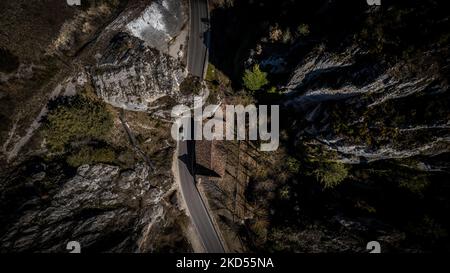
(75, 118)
(293, 165)
(255, 79)
(331, 174)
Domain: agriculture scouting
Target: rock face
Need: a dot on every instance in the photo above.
(160, 24)
(344, 97)
(101, 207)
(132, 76)
(140, 57)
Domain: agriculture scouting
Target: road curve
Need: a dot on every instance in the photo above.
(197, 59)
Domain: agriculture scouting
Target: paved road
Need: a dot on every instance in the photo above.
(198, 37)
(197, 210)
(197, 59)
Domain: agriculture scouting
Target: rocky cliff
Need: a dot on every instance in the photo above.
(112, 191)
(104, 208)
(367, 111)
(364, 98)
(140, 57)
(134, 77)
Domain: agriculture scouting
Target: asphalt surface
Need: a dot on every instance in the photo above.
(197, 59)
(197, 210)
(198, 37)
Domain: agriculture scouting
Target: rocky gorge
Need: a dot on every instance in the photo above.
(86, 151)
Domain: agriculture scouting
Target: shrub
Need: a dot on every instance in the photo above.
(331, 174)
(415, 184)
(191, 85)
(273, 90)
(285, 192)
(255, 79)
(303, 30)
(275, 33)
(293, 165)
(287, 36)
(259, 227)
(75, 118)
(89, 155)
